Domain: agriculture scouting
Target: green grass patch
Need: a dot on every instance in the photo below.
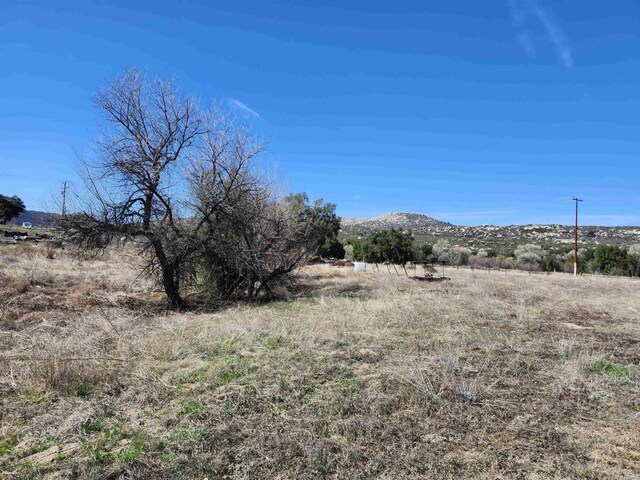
(347, 399)
(350, 385)
(113, 434)
(98, 454)
(43, 444)
(308, 397)
(131, 452)
(8, 442)
(208, 350)
(36, 396)
(105, 435)
(159, 371)
(224, 346)
(191, 407)
(28, 469)
(611, 369)
(192, 434)
(274, 342)
(113, 445)
(198, 375)
(228, 369)
(278, 404)
(94, 425)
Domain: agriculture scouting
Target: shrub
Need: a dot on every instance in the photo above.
(425, 251)
(529, 255)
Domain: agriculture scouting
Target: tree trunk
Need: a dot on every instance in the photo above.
(170, 279)
(171, 286)
(146, 213)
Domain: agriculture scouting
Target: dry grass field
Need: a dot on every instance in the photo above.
(488, 376)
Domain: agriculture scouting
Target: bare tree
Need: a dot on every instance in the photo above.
(181, 182)
(136, 187)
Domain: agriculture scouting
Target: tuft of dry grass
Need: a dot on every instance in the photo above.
(349, 376)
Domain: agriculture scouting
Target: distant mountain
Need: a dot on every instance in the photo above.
(35, 218)
(416, 222)
(427, 229)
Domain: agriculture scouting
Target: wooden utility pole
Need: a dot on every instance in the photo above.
(64, 199)
(575, 245)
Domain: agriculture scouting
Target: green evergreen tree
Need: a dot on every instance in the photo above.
(10, 208)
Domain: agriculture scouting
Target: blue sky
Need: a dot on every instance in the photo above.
(473, 112)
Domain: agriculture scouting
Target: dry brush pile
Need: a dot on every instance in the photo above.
(349, 376)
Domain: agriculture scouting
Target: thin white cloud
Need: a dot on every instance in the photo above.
(521, 10)
(555, 33)
(241, 106)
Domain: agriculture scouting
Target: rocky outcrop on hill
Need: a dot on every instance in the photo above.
(427, 228)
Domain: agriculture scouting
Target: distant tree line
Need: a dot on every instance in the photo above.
(397, 247)
(601, 259)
